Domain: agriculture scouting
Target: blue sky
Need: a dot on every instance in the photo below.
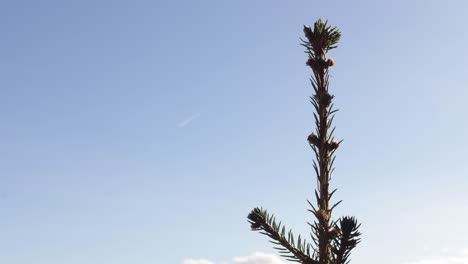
(145, 131)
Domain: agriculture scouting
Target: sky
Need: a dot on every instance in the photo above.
(145, 131)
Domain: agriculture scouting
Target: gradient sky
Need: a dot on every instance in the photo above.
(145, 131)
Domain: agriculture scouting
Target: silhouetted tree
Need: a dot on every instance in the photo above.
(333, 240)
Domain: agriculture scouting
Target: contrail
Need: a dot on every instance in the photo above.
(188, 120)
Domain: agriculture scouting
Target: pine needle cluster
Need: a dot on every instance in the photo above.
(333, 240)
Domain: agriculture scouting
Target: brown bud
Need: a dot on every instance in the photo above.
(314, 64)
(313, 139)
(322, 215)
(330, 62)
(327, 98)
(334, 145)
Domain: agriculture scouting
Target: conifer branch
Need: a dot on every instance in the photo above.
(347, 238)
(295, 250)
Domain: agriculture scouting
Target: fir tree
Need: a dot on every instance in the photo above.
(333, 240)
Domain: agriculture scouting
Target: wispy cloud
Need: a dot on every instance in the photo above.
(187, 121)
(255, 258)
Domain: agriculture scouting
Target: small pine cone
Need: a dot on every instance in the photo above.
(313, 140)
(330, 62)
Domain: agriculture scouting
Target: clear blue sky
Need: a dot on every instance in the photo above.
(145, 131)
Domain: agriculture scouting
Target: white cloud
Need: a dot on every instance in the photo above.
(196, 261)
(258, 258)
(255, 258)
(459, 259)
